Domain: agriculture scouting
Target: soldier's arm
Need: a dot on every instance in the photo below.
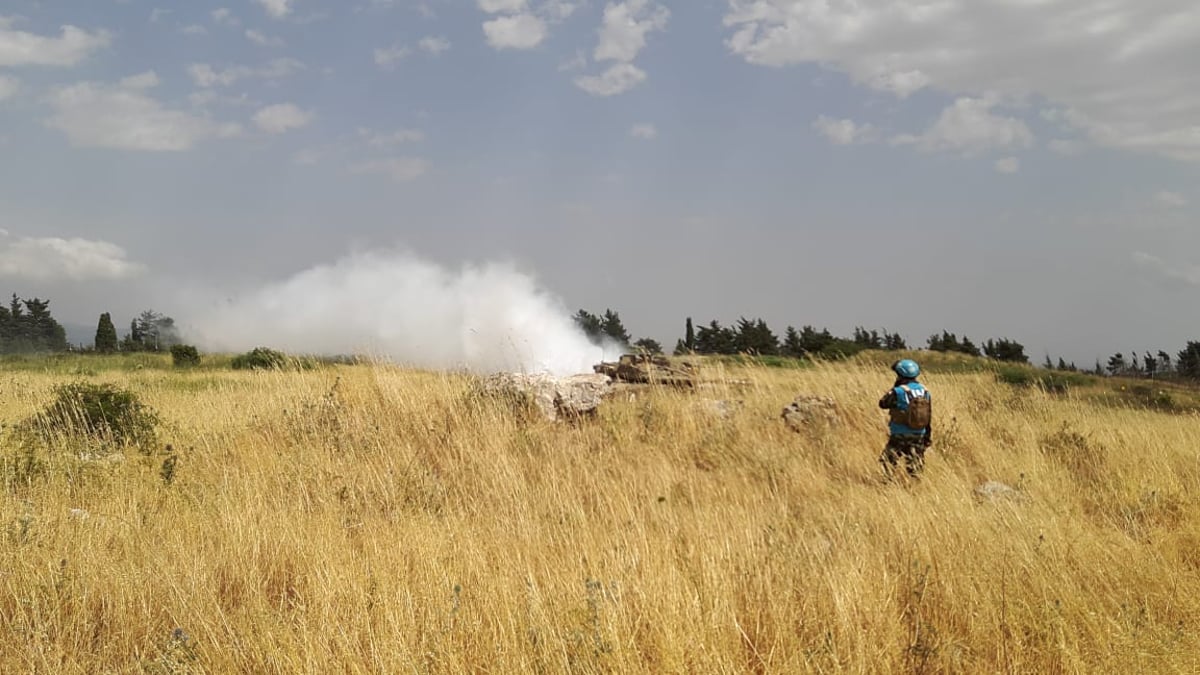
(889, 400)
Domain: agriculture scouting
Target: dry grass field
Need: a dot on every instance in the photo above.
(371, 519)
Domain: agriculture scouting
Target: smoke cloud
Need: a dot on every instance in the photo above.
(484, 318)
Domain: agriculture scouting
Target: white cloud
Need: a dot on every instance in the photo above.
(1123, 70)
(622, 37)
(281, 117)
(388, 57)
(307, 157)
(399, 169)
(845, 131)
(194, 29)
(619, 78)
(1007, 165)
(498, 6)
(623, 32)
(146, 80)
(398, 137)
(204, 75)
(277, 8)
(19, 48)
(263, 40)
(969, 127)
(521, 31)
(1065, 147)
(1170, 200)
(223, 16)
(157, 14)
(98, 115)
(646, 132)
(75, 259)
(8, 87)
(1188, 275)
(577, 62)
(433, 44)
(558, 10)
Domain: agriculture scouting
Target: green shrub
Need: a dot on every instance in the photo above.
(185, 356)
(840, 349)
(97, 412)
(1018, 377)
(262, 358)
(1055, 382)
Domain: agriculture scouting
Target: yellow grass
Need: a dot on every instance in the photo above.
(393, 524)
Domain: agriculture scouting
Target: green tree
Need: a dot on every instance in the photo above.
(156, 331)
(754, 337)
(715, 339)
(1116, 364)
(1151, 365)
(106, 335)
(648, 345)
(867, 339)
(1005, 349)
(27, 326)
(1164, 362)
(132, 342)
(1187, 363)
(689, 336)
(967, 347)
(791, 343)
(614, 329)
(813, 342)
(590, 324)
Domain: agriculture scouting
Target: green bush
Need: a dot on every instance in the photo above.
(840, 349)
(261, 358)
(97, 412)
(185, 356)
(1053, 382)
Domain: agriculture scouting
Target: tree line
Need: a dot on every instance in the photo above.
(26, 325)
(1150, 365)
(755, 337)
(150, 331)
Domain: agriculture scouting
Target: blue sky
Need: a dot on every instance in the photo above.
(990, 168)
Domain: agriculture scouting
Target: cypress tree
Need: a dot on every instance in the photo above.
(106, 335)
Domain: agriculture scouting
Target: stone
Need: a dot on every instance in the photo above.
(554, 398)
(995, 491)
(808, 412)
(722, 408)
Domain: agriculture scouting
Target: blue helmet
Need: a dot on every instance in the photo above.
(907, 369)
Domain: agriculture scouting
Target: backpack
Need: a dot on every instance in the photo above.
(918, 413)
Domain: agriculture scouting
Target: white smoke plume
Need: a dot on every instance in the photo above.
(485, 318)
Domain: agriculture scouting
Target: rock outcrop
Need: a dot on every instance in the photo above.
(808, 413)
(554, 398)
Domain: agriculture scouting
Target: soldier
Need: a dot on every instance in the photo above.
(909, 428)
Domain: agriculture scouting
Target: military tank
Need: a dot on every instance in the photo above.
(649, 369)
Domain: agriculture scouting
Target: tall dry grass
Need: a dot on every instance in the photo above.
(371, 519)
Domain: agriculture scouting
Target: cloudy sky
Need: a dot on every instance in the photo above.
(1019, 168)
